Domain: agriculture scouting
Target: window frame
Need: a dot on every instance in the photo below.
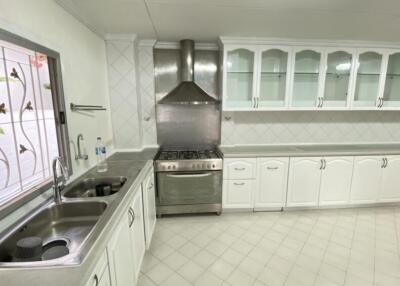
(54, 63)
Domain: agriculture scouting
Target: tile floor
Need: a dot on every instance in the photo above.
(326, 247)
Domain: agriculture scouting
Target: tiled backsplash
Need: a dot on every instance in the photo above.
(131, 87)
(297, 127)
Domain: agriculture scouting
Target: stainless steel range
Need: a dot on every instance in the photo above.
(189, 181)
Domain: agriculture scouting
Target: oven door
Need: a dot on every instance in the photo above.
(188, 188)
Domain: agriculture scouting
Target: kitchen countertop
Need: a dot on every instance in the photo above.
(309, 150)
(134, 166)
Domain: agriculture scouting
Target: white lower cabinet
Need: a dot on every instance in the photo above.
(367, 177)
(238, 194)
(101, 273)
(136, 227)
(390, 190)
(271, 183)
(336, 178)
(304, 181)
(119, 250)
(149, 207)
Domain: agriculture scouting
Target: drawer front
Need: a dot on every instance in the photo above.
(238, 193)
(239, 169)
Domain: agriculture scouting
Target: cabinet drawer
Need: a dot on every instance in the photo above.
(239, 168)
(238, 193)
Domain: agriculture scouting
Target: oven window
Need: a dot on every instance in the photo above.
(30, 133)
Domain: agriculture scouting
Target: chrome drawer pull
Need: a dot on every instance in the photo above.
(240, 169)
(238, 184)
(189, 175)
(272, 168)
(96, 280)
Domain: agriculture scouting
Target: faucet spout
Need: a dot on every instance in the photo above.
(59, 181)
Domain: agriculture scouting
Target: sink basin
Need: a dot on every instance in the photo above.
(66, 225)
(95, 187)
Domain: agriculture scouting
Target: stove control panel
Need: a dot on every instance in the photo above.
(198, 165)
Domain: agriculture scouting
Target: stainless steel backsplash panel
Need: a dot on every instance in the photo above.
(186, 126)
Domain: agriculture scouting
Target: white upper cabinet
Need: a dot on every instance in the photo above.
(305, 90)
(338, 79)
(280, 75)
(274, 78)
(240, 78)
(391, 94)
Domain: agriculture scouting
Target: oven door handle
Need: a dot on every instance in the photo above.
(189, 175)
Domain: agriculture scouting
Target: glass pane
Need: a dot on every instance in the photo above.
(337, 78)
(306, 78)
(392, 84)
(240, 78)
(28, 138)
(273, 78)
(367, 81)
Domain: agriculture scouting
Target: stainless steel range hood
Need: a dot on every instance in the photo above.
(188, 92)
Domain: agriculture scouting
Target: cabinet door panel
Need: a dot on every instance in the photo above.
(390, 191)
(273, 78)
(119, 251)
(391, 94)
(238, 193)
(338, 79)
(239, 168)
(368, 77)
(137, 232)
(336, 181)
(366, 179)
(306, 78)
(271, 182)
(304, 181)
(240, 78)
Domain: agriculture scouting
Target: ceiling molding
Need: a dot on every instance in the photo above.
(307, 42)
(120, 37)
(176, 46)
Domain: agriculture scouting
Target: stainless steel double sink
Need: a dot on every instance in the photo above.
(65, 225)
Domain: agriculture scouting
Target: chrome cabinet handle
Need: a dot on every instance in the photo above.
(131, 212)
(96, 280)
(322, 102)
(382, 102)
(254, 102)
(238, 184)
(385, 160)
(319, 102)
(189, 175)
(257, 101)
(322, 164)
(383, 163)
(272, 168)
(240, 169)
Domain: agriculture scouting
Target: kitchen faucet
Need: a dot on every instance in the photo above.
(80, 156)
(59, 182)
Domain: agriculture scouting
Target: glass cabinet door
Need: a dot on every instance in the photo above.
(239, 78)
(306, 78)
(391, 95)
(367, 79)
(273, 78)
(337, 79)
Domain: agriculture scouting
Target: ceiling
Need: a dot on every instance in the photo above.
(205, 20)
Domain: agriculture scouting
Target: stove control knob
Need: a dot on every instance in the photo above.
(213, 166)
(169, 167)
(174, 167)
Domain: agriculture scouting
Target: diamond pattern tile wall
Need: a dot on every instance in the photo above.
(123, 93)
(249, 128)
(147, 92)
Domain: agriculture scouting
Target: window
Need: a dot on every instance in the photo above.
(32, 121)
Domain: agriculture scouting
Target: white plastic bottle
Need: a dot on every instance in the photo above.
(101, 156)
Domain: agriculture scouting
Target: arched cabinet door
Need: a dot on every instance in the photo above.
(273, 78)
(305, 90)
(368, 79)
(391, 94)
(338, 79)
(240, 78)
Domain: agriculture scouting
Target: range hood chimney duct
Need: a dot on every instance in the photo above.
(188, 92)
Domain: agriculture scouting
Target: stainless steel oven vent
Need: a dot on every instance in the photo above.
(188, 92)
